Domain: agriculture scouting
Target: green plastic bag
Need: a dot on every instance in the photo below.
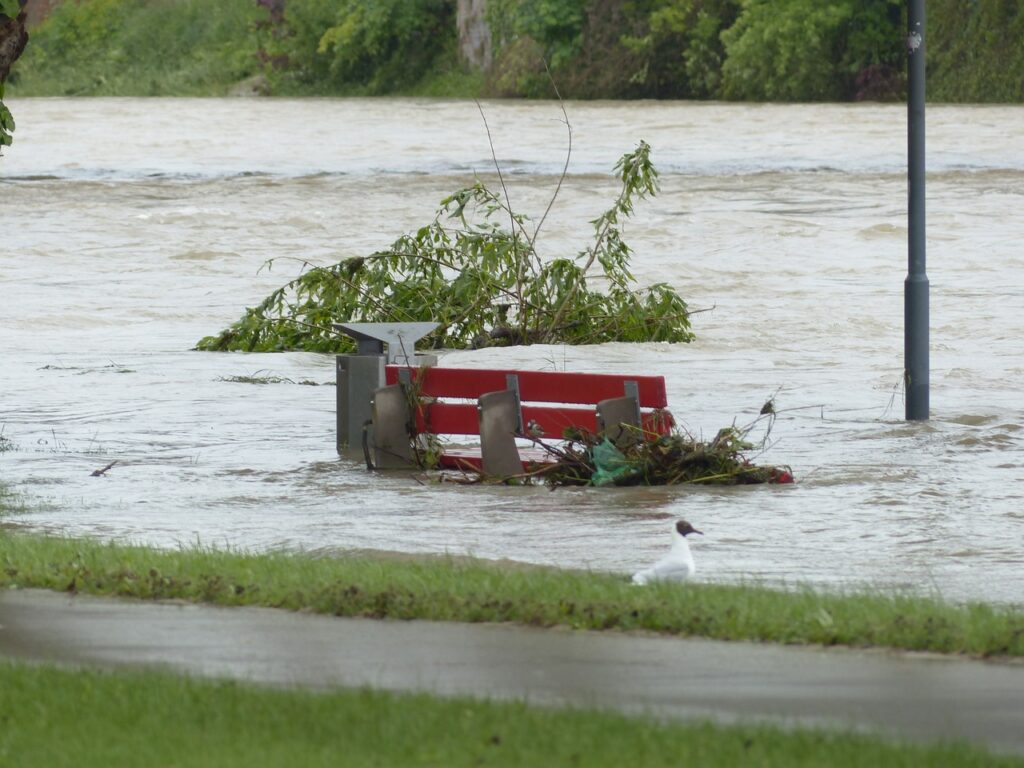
(610, 465)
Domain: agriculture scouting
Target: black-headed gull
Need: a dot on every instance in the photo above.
(677, 565)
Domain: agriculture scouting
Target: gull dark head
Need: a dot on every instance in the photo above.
(683, 528)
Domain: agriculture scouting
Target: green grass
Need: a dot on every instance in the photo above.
(56, 717)
(458, 589)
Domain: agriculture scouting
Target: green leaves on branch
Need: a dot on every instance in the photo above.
(6, 121)
(10, 8)
(484, 283)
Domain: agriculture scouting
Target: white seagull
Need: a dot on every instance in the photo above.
(677, 565)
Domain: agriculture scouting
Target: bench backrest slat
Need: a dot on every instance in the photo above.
(461, 419)
(534, 386)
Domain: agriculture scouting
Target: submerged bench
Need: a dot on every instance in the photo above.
(506, 406)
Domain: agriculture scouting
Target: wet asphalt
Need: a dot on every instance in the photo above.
(908, 696)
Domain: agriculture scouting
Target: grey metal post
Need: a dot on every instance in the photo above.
(915, 288)
(358, 377)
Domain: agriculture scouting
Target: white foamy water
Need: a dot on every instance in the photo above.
(133, 227)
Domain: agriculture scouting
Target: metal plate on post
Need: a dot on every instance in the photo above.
(390, 439)
(400, 338)
(499, 415)
(616, 416)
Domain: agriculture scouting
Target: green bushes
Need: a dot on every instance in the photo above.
(800, 50)
(975, 50)
(369, 47)
(139, 48)
(806, 50)
(735, 49)
(204, 47)
(688, 48)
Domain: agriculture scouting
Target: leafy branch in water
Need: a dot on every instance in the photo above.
(484, 283)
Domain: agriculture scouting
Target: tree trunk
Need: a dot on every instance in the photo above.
(474, 33)
(13, 38)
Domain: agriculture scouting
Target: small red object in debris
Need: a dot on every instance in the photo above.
(782, 477)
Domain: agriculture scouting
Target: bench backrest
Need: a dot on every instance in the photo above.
(548, 398)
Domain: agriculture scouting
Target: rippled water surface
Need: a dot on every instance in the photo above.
(134, 227)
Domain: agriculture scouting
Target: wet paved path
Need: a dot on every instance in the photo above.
(912, 697)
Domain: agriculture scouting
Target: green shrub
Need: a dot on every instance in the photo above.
(529, 33)
(975, 51)
(138, 48)
(781, 50)
(680, 47)
(808, 50)
(371, 47)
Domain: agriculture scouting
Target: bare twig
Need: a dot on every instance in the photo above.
(511, 215)
(501, 176)
(568, 155)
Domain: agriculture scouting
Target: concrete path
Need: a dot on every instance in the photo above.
(914, 697)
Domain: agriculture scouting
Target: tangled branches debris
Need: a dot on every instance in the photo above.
(674, 459)
(475, 269)
(585, 458)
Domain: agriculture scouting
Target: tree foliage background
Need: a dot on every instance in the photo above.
(790, 50)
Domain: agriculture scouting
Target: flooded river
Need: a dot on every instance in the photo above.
(134, 227)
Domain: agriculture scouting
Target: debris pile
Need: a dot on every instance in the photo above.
(585, 458)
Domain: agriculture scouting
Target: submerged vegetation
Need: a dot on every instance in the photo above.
(800, 50)
(457, 589)
(477, 271)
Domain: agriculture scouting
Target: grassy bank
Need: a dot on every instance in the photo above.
(57, 717)
(450, 589)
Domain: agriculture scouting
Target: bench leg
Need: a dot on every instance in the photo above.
(390, 438)
(358, 377)
(498, 413)
(616, 416)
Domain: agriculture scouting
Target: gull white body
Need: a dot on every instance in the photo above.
(677, 565)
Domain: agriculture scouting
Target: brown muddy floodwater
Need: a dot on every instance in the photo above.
(135, 226)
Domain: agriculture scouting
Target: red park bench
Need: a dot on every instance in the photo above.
(506, 406)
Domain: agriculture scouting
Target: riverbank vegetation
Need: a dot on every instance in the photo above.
(85, 718)
(787, 50)
(469, 590)
(477, 271)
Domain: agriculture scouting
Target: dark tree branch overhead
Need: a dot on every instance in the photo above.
(13, 38)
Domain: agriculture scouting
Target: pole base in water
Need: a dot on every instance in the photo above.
(915, 346)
